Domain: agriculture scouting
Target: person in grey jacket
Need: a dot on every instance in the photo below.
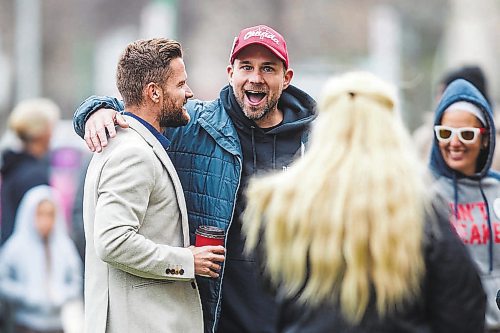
(461, 158)
(259, 122)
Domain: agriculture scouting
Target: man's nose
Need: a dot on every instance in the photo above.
(256, 77)
(189, 92)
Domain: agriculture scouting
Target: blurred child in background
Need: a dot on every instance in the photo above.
(40, 269)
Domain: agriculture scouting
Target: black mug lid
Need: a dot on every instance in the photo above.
(209, 230)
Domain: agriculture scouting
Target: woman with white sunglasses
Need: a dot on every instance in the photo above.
(461, 158)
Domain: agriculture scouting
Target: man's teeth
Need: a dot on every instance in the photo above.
(255, 96)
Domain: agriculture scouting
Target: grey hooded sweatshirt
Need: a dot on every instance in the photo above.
(473, 201)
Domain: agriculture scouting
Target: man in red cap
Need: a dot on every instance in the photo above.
(260, 122)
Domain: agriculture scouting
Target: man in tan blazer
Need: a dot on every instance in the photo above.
(140, 269)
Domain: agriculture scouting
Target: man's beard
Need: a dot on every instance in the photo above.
(172, 117)
(254, 113)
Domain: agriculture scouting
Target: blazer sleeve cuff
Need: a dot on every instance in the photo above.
(182, 267)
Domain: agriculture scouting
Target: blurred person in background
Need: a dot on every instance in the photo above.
(349, 236)
(259, 122)
(32, 121)
(77, 230)
(495, 164)
(424, 134)
(462, 153)
(472, 73)
(40, 270)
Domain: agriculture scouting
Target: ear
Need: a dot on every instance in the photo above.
(287, 78)
(230, 72)
(153, 92)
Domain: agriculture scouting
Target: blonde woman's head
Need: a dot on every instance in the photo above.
(346, 220)
(34, 118)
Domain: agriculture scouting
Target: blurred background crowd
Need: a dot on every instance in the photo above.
(67, 51)
(64, 51)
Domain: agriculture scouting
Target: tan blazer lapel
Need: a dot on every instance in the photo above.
(167, 163)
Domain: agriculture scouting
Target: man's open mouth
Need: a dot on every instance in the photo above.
(255, 97)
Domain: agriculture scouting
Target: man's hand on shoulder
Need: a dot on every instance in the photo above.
(100, 124)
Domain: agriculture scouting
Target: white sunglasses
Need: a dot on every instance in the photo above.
(466, 135)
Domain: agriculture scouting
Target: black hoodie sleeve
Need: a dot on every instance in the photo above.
(455, 300)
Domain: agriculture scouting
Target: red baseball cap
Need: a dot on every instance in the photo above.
(262, 35)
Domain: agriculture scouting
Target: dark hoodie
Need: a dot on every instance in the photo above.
(474, 200)
(20, 172)
(246, 306)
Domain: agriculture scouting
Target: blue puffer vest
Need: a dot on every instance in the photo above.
(210, 177)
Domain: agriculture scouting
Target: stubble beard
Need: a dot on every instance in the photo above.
(256, 113)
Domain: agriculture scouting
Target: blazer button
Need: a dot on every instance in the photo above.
(181, 271)
(167, 271)
(176, 272)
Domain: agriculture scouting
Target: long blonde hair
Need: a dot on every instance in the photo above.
(347, 218)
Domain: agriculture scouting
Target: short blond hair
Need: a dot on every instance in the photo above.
(346, 219)
(32, 118)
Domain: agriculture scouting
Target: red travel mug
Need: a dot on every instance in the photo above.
(209, 235)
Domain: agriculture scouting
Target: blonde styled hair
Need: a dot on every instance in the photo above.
(32, 118)
(346, 220)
